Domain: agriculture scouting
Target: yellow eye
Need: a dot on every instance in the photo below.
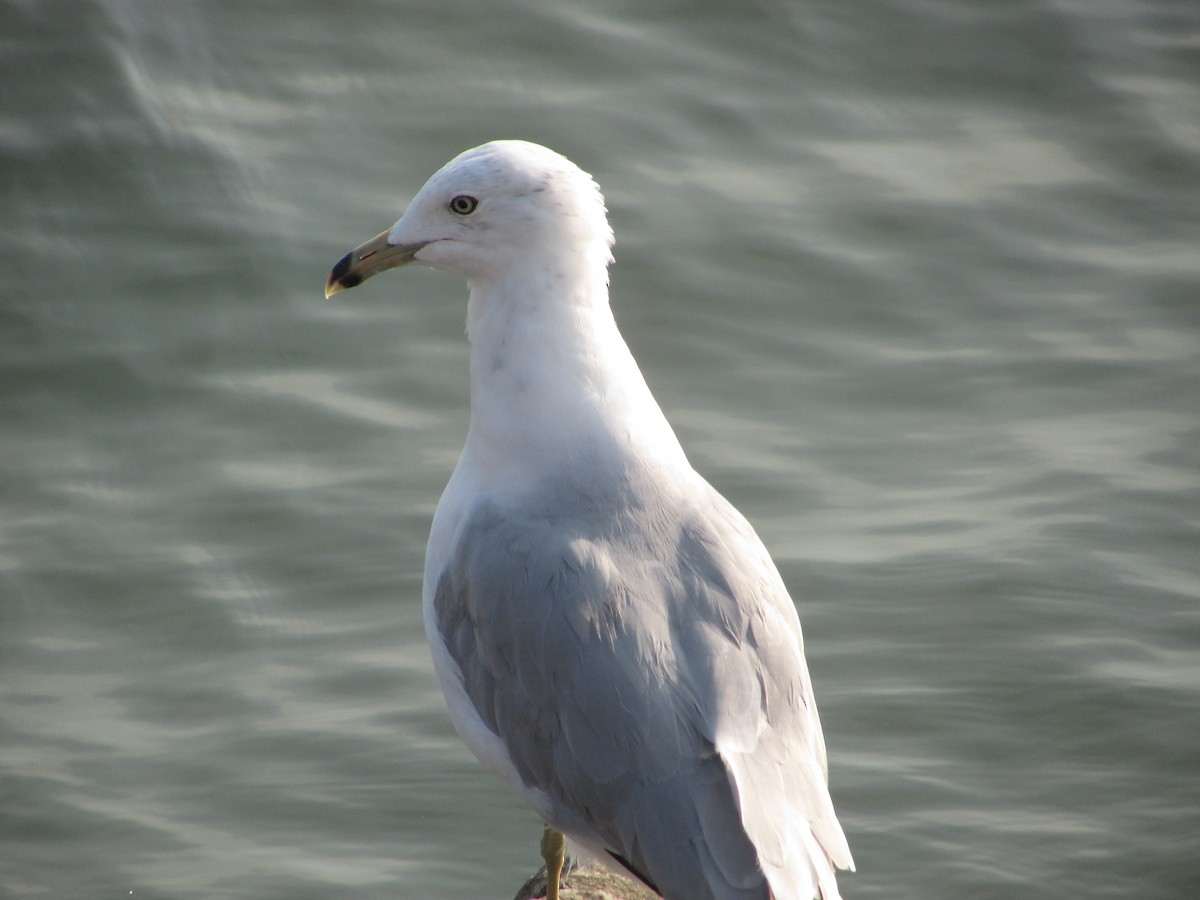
(463, 205)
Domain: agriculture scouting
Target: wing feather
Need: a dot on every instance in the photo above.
(647, 676)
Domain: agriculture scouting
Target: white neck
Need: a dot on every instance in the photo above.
(554, 387)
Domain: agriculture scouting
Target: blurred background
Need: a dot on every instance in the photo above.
(917, 281)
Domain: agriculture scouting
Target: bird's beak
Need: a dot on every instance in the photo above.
(368, 259)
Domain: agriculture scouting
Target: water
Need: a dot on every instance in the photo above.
(917, 282)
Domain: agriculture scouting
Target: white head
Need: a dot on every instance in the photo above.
(500, 205)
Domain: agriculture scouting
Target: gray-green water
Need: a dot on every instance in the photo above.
(917, 282)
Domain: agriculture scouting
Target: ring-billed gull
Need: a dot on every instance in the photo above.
(612, 637)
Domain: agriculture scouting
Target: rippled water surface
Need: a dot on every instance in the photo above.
(917, 282)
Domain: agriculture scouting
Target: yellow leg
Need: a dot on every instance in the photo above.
(553, 851)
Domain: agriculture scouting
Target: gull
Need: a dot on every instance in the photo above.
(611, 636)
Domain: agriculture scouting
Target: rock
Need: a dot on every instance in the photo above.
(586, 882)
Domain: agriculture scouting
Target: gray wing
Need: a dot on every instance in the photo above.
(639, 679)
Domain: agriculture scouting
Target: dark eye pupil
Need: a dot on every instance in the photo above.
(464, 204)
